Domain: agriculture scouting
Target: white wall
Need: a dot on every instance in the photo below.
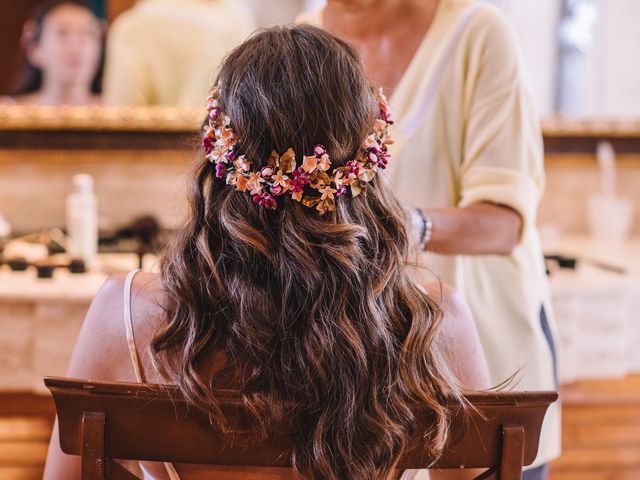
(614, 63)
(613, 76)
(536, 24)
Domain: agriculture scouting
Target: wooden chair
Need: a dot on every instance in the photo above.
(101, 421)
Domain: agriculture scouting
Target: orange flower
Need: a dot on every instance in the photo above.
(325, 206)
(369, 142)
(324, 164)
(288, 161)
(310, 163)
(232, 178)
(241, 183)
(297, 196)
(327, 193)
(379, 126)
(255, 183)
(280, 180)
(227, 137)
(272, 161)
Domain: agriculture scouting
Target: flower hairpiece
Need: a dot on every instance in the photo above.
(309, 180)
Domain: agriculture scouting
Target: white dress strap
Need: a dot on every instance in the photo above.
(133, 352)
(128, 327)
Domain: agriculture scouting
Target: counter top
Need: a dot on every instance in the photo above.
(65, 286)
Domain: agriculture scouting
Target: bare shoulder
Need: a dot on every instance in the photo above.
(453, 305)
(459, 338)
(101, 351)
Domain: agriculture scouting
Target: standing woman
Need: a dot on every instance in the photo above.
(63, 46)
(465, 119)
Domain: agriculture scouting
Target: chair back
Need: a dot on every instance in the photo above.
(101, 421)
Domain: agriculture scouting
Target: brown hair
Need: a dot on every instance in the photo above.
(318, 315)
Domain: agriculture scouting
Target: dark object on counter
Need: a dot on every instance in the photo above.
(45, 270)
(77, 266)
(18, 264)
(562, 261)
(571, 263)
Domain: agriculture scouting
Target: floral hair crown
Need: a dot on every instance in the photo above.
(314, 183)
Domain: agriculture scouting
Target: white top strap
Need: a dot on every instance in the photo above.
(133, 353)
(128, 326)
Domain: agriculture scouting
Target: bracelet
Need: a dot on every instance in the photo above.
(427, 228)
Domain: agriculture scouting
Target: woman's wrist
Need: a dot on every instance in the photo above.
(421, 228)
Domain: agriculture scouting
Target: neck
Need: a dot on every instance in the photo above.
(369, 20)
(73, 93)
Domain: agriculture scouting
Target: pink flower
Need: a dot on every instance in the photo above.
(276, 190)
(341, 191)
(383, 160)
(266, 172)
(221, 170)
(265, 200)
(300, 179)
(241, 163)
(319, 150)
(372, 158)
(207, 144)
(353, 168)
(213, 113)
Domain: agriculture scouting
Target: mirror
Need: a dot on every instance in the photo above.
(579, 53)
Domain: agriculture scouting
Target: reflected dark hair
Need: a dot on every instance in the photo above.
(322, 328)
(30, 77)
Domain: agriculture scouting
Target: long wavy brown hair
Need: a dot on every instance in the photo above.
(316, 315)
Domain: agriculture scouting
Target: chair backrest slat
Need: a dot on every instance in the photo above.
(153, 423)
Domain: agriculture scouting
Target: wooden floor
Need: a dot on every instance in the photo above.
(601, 433)
(25, 427)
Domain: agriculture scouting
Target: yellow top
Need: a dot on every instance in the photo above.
(167, 52)
(467, 131)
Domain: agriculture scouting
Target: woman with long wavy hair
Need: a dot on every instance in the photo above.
(289, 280)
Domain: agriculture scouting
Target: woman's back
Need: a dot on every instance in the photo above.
(288, 279)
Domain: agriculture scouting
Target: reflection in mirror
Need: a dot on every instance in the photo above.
(62, 44)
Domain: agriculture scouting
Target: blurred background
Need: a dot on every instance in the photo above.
(579, 52)
(109, 135)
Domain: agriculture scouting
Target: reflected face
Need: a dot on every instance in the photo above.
(68, 49)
